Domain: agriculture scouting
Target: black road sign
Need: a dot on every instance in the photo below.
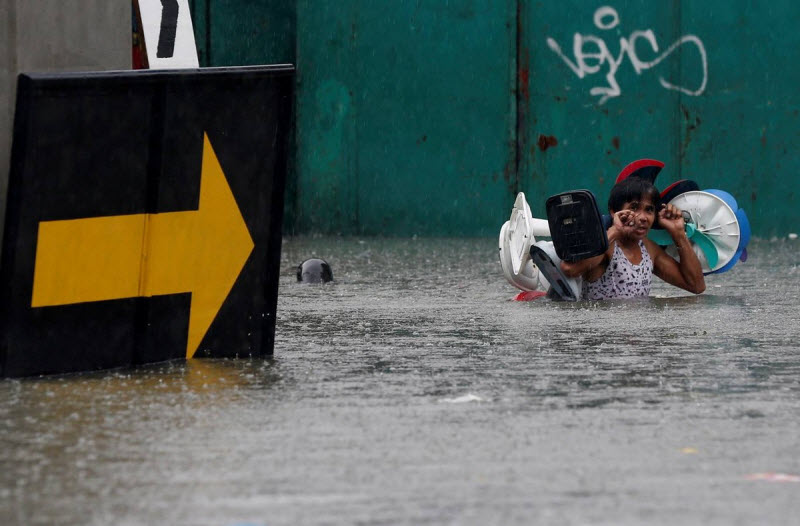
(144, 217)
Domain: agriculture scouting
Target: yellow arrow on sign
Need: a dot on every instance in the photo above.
(105, 258)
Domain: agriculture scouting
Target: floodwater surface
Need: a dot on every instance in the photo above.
(413, 391)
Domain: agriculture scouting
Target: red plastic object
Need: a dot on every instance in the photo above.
(644, 168)
(529, 295)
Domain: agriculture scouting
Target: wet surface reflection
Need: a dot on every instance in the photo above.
(412, 390)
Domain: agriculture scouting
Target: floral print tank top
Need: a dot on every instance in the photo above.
(622, 279)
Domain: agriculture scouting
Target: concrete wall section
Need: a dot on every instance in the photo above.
(56, 35)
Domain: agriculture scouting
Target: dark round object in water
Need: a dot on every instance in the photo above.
(314, 270)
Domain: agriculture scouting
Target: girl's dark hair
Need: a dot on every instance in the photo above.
(632, 189)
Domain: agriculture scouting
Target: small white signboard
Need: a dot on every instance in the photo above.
(168, 34)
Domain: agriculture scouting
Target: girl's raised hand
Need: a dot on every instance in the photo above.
(624, 220)
(671, 219)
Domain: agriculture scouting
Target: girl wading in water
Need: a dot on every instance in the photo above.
(626, 269)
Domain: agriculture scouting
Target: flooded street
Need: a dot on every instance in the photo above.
(413, 391)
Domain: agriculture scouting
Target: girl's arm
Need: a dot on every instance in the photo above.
(592, 268)
(584, 266)
(686, 273)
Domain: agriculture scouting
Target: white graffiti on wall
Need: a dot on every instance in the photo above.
(591, 53)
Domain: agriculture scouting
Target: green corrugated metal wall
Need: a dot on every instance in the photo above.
(427, 116)
(405, 116)
(249, 32)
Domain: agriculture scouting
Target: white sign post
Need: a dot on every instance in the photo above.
(168, 34)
